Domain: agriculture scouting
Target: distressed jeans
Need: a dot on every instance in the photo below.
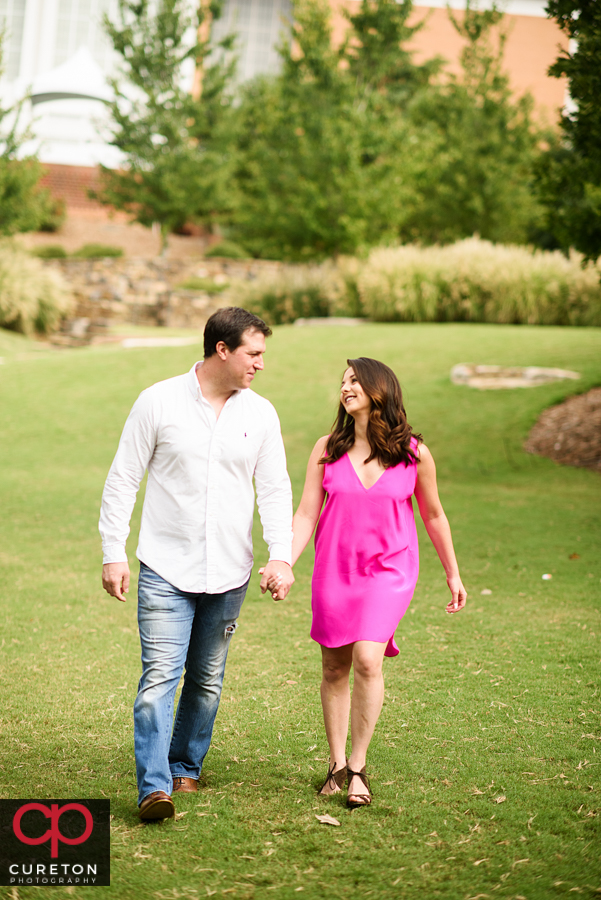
(178, 628)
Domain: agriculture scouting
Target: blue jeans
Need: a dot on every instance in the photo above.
(178, 628)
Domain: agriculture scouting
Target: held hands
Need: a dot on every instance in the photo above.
(277, 578)
(459, 594)
(115, 579)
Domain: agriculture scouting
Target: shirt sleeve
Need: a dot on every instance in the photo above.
(274, 492)
(135, 451)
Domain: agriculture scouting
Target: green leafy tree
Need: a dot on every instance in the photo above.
(177, 146)
(24, 206)
(569, 175)
(319, 171)
(355, 146)
(475, 147)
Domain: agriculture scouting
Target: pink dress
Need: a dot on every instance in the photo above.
(366, 556)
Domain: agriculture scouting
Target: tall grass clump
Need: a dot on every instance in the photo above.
(477, 281)
(32, 298)
(287, 293)
(469, 281)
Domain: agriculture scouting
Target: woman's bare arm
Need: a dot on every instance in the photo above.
(307, 514)
(437, 526)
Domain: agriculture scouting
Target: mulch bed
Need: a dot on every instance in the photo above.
(571, 432)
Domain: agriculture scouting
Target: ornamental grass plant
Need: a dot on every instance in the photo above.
(32, 298)
(293, 292)
(477, 281)
(469, 281)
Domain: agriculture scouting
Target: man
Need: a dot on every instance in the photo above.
(202, 436)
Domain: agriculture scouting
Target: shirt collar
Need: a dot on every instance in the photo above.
(193, 381)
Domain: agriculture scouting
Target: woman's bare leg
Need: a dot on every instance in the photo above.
(336, 702)
(368, 696)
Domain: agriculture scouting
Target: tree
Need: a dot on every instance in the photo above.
(319, 144)
(569, 175)
(475, 146)
(24, 206)
(177, 147)
(357, 146)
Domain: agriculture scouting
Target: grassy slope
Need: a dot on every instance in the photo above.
(502, 701)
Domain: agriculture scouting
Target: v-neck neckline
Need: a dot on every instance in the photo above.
(366, 489)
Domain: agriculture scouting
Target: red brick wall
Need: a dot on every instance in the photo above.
(71, 184)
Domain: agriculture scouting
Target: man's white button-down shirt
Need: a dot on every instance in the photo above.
(196, 529)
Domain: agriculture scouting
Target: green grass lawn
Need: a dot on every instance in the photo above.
(485, 765)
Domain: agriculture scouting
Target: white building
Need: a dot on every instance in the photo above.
(58, 50)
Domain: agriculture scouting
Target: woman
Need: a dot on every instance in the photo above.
(366, 555)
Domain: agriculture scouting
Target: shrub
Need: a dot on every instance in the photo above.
(55, 215)
(32, 297)
(227, 249)
(98, 251)
(195, 283)
(50, 251)
(289, 293)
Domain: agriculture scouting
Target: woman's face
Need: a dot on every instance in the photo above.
(352, 396)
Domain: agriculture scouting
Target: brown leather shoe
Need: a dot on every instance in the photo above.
(157, 805)
(183, 785)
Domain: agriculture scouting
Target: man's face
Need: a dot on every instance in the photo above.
(246, 360)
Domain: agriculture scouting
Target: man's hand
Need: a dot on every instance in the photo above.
(115, 579)
(276, 577)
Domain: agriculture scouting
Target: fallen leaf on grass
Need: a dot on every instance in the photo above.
(500, 799)
(327, 819)
(182, 814)
(478, 861)
(518, 861)
(291, 682)
(476, 791)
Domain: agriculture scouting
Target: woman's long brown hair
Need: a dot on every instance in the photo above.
(388, 432)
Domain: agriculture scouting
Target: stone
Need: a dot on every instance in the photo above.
(488, 377)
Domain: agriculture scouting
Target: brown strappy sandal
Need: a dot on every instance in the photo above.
(334, 779)
(367, 798)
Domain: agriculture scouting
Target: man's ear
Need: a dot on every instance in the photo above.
(222, 350)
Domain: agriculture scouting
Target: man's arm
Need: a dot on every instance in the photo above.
(119, 496)
(274, 499)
